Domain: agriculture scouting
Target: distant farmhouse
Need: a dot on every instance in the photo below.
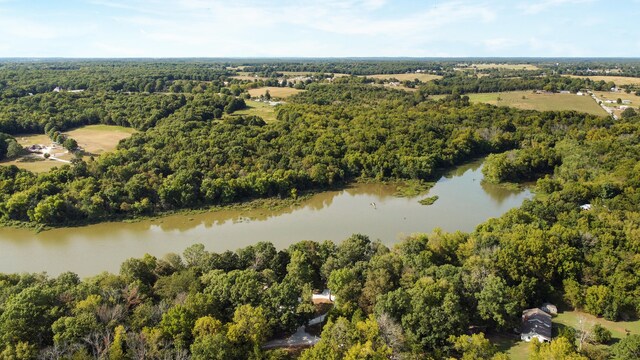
(536, 324)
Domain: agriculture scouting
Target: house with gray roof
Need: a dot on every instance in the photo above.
(535, 324)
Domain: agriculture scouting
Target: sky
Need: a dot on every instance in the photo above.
(319, 28)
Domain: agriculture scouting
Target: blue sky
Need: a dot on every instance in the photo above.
(328, 28)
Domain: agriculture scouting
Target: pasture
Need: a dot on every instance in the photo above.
(618, 80)
(528, 100)
(247, 76)
(97, 139)
(276, 92)
(264, 110)
(403, 77)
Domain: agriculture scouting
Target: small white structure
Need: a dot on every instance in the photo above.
(57, 89)
(325, 296)
(536, 324)
(549, 309)
(586, 207)
(580, 93)
(626, 102)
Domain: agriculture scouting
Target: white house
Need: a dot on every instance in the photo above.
(580, 93)
(586, 207)
(536, 324)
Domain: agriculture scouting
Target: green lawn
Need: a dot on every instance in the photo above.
(264, 110)
(512, 345)
(618, 329)
(520, 350)
(527, 100)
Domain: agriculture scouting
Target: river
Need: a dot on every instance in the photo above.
(464, 202)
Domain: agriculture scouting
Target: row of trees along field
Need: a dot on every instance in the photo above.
(22, 79)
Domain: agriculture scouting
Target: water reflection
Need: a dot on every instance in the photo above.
(464, 202)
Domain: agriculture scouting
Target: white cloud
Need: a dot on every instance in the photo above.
(535, 7)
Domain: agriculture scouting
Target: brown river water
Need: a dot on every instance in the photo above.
(464, 202)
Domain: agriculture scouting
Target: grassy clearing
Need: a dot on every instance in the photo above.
(512, 345)
(607, 95)
(505, 66)
(265, 111)
(618, 329)
(94, 139)
(528, 100)
(618, 80)
(247, 76)
(276, 92)
(97, 139)
(33, 164)
(403, 77)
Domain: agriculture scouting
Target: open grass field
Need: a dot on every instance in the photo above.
(618, 329)
(607, 95)
(403, 77)
(265, 111)
(36, 163)
(512, 345)
(506, 66)
(527, 100)
(94, 139)
(247, 76)
(33, 164)
(97, 139)
(276, 92)
(618, 80)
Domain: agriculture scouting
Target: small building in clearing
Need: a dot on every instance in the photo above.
(535, 324)
(549, 309)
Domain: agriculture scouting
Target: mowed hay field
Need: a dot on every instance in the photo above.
(618, 80)
(404, 77)
(97, 139)
(275, 92)
(263, 110)
(528, 100)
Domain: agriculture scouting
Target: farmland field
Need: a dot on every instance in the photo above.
(528, 100)
(618, 80)
(276, 92)
(265, 111)
(505, 66)
(247, 76)
(96, 139)
(404, 77)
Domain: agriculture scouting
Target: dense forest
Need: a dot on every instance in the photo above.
(431, 296)
(328, 135)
